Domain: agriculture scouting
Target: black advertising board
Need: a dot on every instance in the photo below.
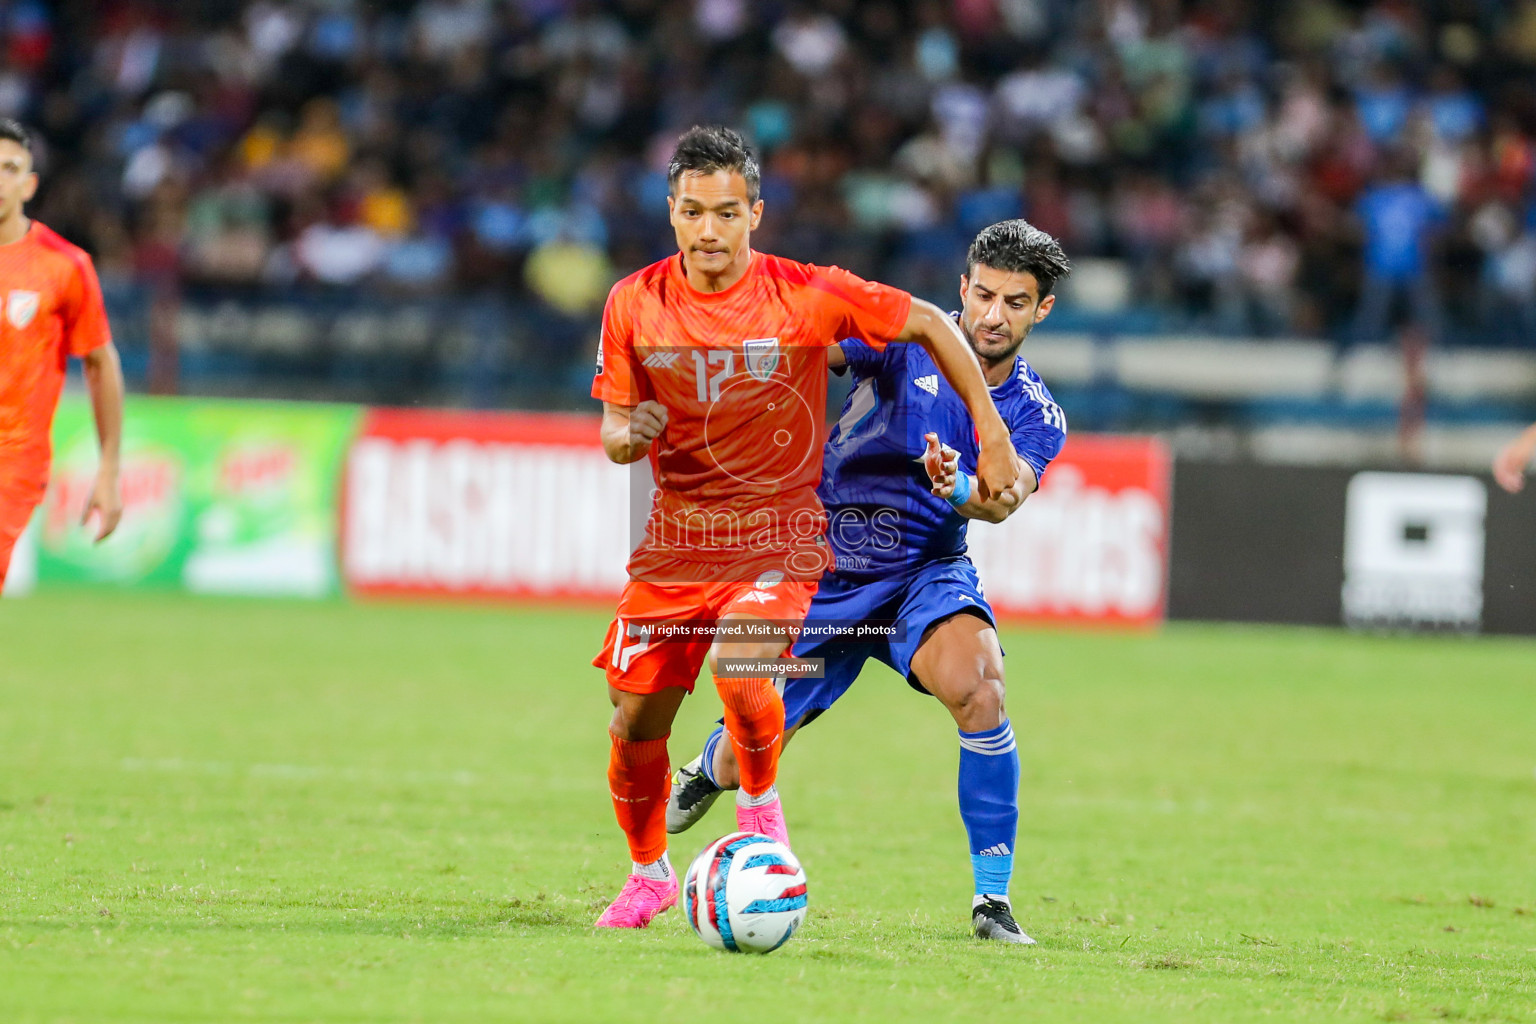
(1509, 588)
(1366, 548)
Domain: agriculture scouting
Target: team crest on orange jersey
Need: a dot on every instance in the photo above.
(762, 357)
(20, 308)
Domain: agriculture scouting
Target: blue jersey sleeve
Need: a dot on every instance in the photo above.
(1039, 428)
(862, 359)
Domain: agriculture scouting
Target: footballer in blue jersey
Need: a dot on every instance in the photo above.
(899, 492)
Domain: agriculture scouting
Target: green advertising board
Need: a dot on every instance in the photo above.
(230, 497)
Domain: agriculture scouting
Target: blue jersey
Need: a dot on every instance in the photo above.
(883, 518)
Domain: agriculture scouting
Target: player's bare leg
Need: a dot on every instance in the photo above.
(637, 780)
(961, 663)
(754, 721)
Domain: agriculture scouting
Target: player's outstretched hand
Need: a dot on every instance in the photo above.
(943, 465)
(997, 468)
(646, 422)
(106, 504)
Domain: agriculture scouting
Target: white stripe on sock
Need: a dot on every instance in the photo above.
(994, 741)
(1001, 744)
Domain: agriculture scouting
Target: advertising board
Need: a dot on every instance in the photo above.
(218, 497)
(527, 505)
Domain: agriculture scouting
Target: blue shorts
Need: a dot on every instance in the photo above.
(913, 602)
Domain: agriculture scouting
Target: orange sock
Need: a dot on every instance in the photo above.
(754, 721)
(637, 779)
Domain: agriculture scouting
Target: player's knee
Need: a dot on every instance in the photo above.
(624, 724)
(633, 723)
(979, 705)
(717, 654)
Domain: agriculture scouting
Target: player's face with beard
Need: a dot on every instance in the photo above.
(998, 308)
(714, 220)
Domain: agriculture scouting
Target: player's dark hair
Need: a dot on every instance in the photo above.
(1017, 246)
(707, 149)
(16, 132)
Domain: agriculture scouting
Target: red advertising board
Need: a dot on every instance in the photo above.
(526, 505)
(1092, 544)
(482, 505)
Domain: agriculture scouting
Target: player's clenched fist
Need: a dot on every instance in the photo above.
(997, 466)
(629, 430)
(646, 422)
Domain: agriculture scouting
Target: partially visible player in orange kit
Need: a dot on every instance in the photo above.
(52, 309)
(713, 362)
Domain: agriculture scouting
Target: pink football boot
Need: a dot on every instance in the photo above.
(767, 819)
(639, 902)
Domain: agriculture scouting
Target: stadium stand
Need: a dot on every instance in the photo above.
(425, 200)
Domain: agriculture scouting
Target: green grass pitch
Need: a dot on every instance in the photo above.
(242, 810)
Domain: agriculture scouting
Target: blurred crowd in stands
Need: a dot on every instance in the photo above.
(1276, 168)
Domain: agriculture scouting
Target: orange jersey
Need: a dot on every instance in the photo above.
(743, 375)
(52, 309)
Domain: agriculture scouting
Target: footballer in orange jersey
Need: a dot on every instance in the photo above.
(713, 363)
(52, 310)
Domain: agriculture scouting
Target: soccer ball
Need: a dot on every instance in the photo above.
(745, 893)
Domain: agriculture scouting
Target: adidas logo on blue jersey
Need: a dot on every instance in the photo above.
(929, 383)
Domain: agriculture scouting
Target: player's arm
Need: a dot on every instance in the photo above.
(628, 430)
(630, 420)
(104, 381)
(943, 466)
(997, 464)
(89, 338)
(1510, 464)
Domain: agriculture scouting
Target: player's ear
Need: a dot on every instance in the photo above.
(30, 188)
(1044, 309)
(757, 215)
(965, 285)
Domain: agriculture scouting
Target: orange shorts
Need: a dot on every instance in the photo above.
(19, 495)
(637, 663)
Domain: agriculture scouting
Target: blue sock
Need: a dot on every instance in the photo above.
(707, 764)
(989, 804)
